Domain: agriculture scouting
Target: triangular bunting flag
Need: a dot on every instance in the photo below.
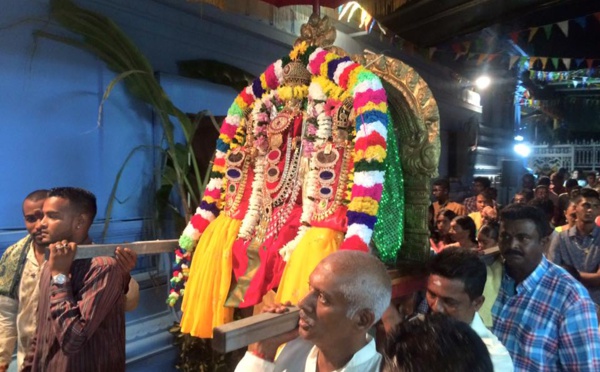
(564, 27)
(589, 62)
(581, 21)
(513, 60)
(567, 62)
(555, 63)
(532, 62)
(532, 32)
(579, 61)
(492, 57)
(548, 30)
(481, 58)
(431, 52)
(514, 36)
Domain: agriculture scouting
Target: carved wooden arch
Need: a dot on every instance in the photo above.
(416, 121)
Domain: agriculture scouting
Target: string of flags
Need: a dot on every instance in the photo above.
(471, 49)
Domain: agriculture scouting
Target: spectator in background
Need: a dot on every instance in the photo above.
(592, 182)
(441, 236)
(578, 175)
(580, 245)
(462, 231)
(547, 207)
(528, 181)
(557, 181)
(564, 198)
(524, 196)
(440, 190)
(480, 184)
(487, 237)
(484, 199)
(570, 217)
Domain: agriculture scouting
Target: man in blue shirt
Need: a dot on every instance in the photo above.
(580, 245)
(544, 317)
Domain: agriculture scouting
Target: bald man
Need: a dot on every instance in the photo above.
(349, 291)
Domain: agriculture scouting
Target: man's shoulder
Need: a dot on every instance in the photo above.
(17, 246)
(562, 287)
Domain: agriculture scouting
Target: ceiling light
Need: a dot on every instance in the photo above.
(522, 150)
(483, 82)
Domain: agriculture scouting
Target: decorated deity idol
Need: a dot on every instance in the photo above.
(277, 201)
(315, 187)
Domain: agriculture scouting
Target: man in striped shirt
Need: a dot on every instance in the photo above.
(81, 320)
(543, 316)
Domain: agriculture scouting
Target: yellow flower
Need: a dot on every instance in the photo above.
(372, 153)
(382, 107)
(240, 102)
(353, 78)
(298, 50)
(263, 81)
(364, 204)
(328, 58)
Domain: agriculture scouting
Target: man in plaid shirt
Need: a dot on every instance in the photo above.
(543, 316)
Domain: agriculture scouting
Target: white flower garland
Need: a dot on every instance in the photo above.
(315, 109)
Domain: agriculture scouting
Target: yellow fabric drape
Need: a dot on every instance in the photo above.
(210, 278)
(316, 244)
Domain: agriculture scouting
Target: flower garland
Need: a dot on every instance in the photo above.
(316, 135)
(370, 106)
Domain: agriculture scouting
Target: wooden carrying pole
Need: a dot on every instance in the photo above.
(241, 333)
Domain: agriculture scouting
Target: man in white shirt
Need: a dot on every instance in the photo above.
(455, 288)
(349, 291)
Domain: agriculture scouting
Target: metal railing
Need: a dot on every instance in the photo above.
(582, 155)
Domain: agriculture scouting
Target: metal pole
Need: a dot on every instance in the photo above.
(316, 8)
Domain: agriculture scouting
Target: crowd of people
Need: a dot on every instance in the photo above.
(532, 308)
